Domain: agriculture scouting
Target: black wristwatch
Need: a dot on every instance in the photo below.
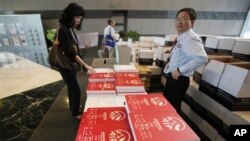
(178, 70)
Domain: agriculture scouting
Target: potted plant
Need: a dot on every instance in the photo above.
(122, 34)
(134, 35)
(51, 33)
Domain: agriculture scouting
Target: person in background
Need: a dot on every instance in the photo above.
(109, 29)
(71, 19)
(187, 55)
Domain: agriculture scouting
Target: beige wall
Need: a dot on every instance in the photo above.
(201, 5)
(143, 26)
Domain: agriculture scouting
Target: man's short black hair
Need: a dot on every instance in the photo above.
(110, 21)
(73, 9)
(192, 13)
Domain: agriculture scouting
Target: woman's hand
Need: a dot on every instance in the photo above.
(88, 45)
(83, 64)
(90, 69)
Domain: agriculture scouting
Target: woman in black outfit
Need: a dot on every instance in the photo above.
(71, 19)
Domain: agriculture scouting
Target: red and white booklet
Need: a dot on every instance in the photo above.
(106, 115)
(147, 103)
(101, 88)
(101, 77)
(121, 132)
(126, 75)
(129, 84)
(105, 124)
(160, 126)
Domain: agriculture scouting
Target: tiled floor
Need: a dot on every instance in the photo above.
(27, 109)
(20, 114)
(58, 125)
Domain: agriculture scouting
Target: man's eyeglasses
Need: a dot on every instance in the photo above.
(182, 19)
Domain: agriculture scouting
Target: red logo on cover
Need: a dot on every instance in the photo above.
(119, 135)
(108, 75)
(158, 101)
(117, 115)
(135, 82)
(109, 85)
(174, 123)
(132, 74)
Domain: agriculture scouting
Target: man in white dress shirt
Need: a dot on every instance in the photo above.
(187, 55)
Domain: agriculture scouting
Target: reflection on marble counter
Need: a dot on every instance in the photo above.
(243, 114)
(8, 58)
(20, 114)
(18, 74)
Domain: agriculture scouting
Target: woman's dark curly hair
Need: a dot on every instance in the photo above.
(73, 9)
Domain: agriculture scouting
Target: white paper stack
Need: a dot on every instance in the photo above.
(160, 53)
(104, 70)
(146, 54)
(146, 39)
(239, 76)
(104, 101)
(125, 68)
(159, 40)
(212, 72)
(242, 46)
(226, 43)
(212, 42)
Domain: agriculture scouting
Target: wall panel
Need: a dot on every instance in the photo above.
(215, 27)
(223, 17)
(202, 26)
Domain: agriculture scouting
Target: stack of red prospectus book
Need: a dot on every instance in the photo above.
(101, 88)
(101, 82)
(105, 124)
(147, 103)
(153, 118)
(124, 78)
(101, 77)
(127, 83)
